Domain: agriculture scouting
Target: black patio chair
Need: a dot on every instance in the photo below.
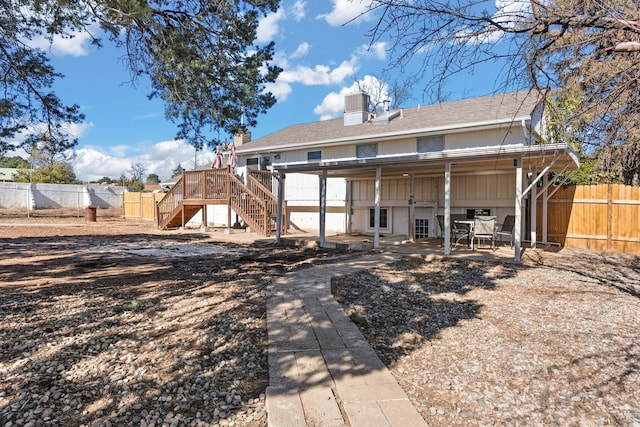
(506, 229)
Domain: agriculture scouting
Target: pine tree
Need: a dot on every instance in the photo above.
(199, 55)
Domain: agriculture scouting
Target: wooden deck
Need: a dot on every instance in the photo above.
(254, 202)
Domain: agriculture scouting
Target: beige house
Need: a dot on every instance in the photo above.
(404, 167)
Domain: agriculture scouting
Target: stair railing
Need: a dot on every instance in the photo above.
(251, 208)
(263, 177)
(169, 203)
(254, 202)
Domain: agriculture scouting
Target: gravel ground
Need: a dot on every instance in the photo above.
(115, 323)
(554, 341)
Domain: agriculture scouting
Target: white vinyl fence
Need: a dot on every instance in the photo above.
(51, 196)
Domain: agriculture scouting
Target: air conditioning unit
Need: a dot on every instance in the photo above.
(356, 108)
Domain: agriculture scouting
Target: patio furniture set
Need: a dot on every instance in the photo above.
(479, 228)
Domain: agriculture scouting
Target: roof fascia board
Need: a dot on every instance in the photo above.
(463, 154)
(466, 127)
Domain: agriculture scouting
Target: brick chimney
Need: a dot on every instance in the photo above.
(241, 137)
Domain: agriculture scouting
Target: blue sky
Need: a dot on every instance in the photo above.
(321, 57)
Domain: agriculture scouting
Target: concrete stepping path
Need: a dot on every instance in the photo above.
(322, 372)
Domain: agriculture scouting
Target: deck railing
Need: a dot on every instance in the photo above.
(256, 184)
(169, 203)
(252, 208)
(263, 177)
(254, 202)
(209, 184)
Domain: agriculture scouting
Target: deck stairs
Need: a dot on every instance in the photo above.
(254, 201)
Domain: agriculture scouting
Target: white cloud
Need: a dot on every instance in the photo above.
(72, 130)
(299, 10)
(269, 26)
(333, 104)
(345, 11)
(510, 10)
(160, 158)
(280, 90)
(78, 130)
(76, 45)
(119, 150)
(509, 14)
(309, 76)
(90, 165)
(377, 50)
(301, 50)
(320, 74)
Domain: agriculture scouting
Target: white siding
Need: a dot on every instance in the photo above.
(495, 192)
(293, 156)
(404, 146)
(304, 190)
(490, 138)
(339, 152)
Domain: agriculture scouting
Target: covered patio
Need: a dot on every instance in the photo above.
(536, 169)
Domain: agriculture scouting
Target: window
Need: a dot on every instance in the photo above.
(429, 144)
(366, 150)
(252, 162)
(384, 219)
(422, 228)
(314, 155)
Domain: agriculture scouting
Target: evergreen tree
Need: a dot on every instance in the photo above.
(199, 55)
(153, 178)
(105, 180)
(179, 170)
(58, 173)
(13, 162)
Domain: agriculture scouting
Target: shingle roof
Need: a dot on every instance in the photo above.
(508, 107)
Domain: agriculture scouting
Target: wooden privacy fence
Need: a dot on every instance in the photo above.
(600, 217)
(140, 206)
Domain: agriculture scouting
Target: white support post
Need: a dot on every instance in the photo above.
(348, 206)
(544, 210)
(412, 210)
(280, 194)
(323, 206)
(436, 208)
(376, 212)
(518, 210)
(534, 209)
(447, 208)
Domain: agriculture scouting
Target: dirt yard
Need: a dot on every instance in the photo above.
(554, 341)
(114, 323)
(117, 323)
